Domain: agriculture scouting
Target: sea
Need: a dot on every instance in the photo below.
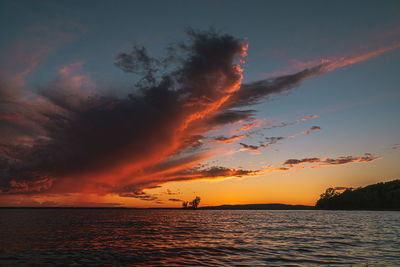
(146, 237)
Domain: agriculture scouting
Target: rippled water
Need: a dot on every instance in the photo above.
(198, 237)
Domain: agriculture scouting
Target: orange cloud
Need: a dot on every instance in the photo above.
(123, 145)
(249, 126)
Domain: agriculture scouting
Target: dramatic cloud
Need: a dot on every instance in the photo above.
(66, 137)
(124, 145)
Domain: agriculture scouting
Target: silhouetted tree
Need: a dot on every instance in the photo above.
(329, 193)
(194, 204)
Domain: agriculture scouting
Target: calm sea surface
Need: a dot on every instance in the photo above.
(198, 237)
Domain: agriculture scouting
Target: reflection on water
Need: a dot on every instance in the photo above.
(198, 237)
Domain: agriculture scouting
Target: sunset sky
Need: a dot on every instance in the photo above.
(146, 104)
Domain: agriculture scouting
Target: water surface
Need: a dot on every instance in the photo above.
(198, 237)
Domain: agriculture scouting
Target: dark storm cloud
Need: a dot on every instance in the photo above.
(100, 139)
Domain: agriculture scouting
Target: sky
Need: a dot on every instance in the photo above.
(148, 104)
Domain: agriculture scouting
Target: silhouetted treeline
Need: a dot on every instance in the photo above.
(380, 196)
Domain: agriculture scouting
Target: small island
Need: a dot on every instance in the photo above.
(380, 196)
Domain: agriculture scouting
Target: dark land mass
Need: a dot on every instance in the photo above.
(222, 207)
(380, 196)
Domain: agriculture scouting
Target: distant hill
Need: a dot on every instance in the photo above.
(380, 196)
(258, 207)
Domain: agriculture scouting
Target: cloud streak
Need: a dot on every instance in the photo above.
(331, 161)
(256, 92)
(315, 162)
(228, 140)
(333, 63)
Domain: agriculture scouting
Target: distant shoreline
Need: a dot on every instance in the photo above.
(200, 208)
(221, 207)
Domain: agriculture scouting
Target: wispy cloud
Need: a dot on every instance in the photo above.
(284, 124)
(332, 63)
(273, 140)
(316, 162)
(332, 161)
